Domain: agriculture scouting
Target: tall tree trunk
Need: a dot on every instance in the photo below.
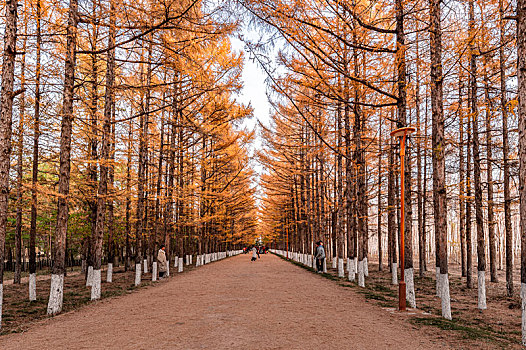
(424, 185)
(34, 173)
(147, 249)
(489, 160)
(112, 245)
(57, 273)
(468, 200)
(169, 206)
(477, 189)
(421, 232)
(19, 167)
(140, 224)
(379, 222)
(102, 192)
(157, 215)
(349, 189)
(339, 207)
(391, 213)
(127, 265)
(505, 155)
(401, 107)
(93, 146)
(6, 119)
(361, 190)
(461, 192)
(439, 162)
(521, 70)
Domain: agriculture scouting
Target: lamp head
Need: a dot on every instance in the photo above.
(403, 131)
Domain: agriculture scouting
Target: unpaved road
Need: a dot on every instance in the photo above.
(230, 304)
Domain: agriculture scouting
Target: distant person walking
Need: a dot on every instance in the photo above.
(320, 256)
(254, 254)
(161, 261)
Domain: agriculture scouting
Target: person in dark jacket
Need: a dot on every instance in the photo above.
(320, 256)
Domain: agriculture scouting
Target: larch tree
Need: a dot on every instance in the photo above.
(56, 293)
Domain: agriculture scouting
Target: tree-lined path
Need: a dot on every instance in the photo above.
(230, 304)
(393, 132)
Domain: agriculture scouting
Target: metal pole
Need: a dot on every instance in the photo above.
(287, 229)
(401, 285)
(401, 133)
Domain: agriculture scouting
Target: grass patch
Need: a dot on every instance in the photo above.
(465, 331)
(390, 304)
(385, 290)
(370, 295)
(451, 325)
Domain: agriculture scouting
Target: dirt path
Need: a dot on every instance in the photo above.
(231, 304)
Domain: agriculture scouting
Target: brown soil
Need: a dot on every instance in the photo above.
(231, 304)
(497, 327)
(19, 314)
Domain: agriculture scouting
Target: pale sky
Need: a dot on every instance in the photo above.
(254, 88)
(253, 92)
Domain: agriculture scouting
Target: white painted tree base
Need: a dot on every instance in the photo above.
(365, 267)
(334, 262)
(446, 300)
(361, 277)
(89, 278)
(167, 274)
(437, 277)
(394, 274)
(180, 266)
(137, 274)
(145, 262)
(56, 294)
(348, 264)
(32, 287)
(482, 290)
(154, 271)
(176, 261)
(197, 261)
(352, 271)
(95, 288)
(324, 265)
(341, 272)
(109, 273)
(410, 287)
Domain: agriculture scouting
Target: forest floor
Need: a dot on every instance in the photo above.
(230, 304)
(41, 275)
(499, 326)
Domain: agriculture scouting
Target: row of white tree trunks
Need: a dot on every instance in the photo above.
(179, 262)
(353, 267)
(95, 275)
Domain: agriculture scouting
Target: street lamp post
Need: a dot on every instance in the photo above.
(402, 135)
(287, 230)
